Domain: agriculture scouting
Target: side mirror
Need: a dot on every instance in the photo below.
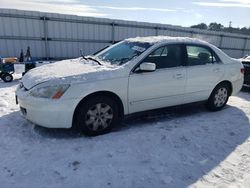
(147, 67)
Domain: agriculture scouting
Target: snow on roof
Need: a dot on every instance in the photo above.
(166, 39)
(160, 39)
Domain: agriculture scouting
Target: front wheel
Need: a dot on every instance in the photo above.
(219, 97)
(6, 77)
(96, 116)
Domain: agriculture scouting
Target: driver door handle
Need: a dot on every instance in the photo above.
(216, 69)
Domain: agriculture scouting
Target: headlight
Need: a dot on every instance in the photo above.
(52, 92)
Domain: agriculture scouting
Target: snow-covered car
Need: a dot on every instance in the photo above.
(246, 62)
(94, 93)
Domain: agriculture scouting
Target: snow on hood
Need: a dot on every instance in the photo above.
(73, 70)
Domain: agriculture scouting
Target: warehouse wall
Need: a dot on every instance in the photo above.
(62, 36)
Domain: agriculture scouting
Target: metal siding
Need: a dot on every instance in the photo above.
(128, 32)
(232, 43)
(233, 53)
(246, 52)
(8, 49)
(248, 44)
(174, 33)
(4, 51)
(70, 34)
(72, 49)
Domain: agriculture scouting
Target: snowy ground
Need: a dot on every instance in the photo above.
(178, 147)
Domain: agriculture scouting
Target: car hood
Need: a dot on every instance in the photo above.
(71, 71)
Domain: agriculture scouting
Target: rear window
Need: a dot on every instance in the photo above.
(198, 55)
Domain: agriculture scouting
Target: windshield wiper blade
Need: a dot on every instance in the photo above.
(81, 52)
(91, 58)
(84, 57)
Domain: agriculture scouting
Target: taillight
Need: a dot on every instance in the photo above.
(242, 70)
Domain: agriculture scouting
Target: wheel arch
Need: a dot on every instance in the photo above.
(110, 94)
(225, 82)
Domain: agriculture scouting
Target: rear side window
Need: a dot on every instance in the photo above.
(197, 55)
(166, 57)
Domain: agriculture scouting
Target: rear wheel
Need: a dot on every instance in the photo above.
(6, 77)
(219, 97)
(96, 116)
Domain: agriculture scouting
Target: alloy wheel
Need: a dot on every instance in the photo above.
(99, 117)
(220, 97)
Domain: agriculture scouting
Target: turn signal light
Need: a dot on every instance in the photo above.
(57, 95)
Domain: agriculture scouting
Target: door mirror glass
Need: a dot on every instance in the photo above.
(147, 67)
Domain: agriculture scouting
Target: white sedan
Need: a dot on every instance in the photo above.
(94, 93)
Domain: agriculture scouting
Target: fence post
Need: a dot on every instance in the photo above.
(156, 31)
(45, 32)
(244, 47)
(192, 34)
(113, 32)
(221, 40)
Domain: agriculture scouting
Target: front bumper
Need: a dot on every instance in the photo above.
(46, 112)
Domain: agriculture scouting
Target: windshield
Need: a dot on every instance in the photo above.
(123, 52)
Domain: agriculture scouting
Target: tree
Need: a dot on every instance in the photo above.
(215, 26)
(200, 26)
(219, 27)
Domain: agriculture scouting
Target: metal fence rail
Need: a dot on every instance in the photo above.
(62, 36)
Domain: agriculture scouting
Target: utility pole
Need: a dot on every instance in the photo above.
(230, 26)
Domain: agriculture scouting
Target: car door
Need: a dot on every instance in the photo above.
(162, 87)
(204, 71)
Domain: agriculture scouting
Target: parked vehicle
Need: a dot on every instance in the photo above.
(94, 93)
(7, 69)
(246, 62)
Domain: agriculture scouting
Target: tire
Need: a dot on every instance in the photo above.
(6, 77)
(219, 97)
(96, 116)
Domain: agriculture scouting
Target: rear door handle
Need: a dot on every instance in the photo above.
(178, 76)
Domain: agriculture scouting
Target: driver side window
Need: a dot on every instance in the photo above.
(165, 57)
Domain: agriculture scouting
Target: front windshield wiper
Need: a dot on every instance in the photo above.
(89, 58)
(81, 52)
(84, 58)
(93, 59)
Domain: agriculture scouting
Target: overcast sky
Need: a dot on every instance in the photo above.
(176, 12)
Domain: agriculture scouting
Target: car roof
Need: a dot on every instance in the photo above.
(166, 39)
